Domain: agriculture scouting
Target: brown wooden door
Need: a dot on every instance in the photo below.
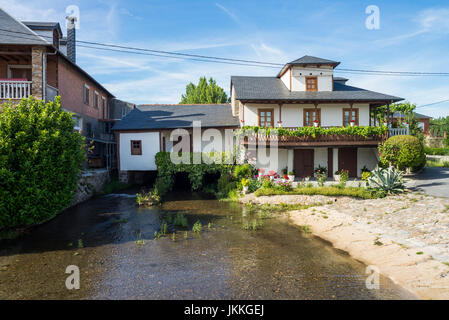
(347, 159)
(303, 162)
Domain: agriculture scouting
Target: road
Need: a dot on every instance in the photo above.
(432, 181)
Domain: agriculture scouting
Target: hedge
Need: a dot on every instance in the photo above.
(403, 152)
(40, 159)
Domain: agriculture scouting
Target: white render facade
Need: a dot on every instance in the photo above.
(306, 93)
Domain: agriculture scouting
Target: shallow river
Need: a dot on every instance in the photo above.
(112, 242)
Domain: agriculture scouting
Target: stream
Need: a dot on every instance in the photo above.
(236, 255)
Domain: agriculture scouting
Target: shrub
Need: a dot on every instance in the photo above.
(243, 171)
(226, 185)
(403, 152)
(386, 180)
(148, 197)
(254, 184)
(40, 160)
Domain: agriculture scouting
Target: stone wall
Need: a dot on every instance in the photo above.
(90, 183)
(36, 71)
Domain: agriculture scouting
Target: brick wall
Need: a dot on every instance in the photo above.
(70, 85)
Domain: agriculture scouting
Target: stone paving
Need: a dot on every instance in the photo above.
(412, 219)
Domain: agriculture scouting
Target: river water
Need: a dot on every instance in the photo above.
(112, 242)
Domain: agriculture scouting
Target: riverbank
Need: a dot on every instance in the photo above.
(405, 236)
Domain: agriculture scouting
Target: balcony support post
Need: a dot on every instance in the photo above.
(280, 115)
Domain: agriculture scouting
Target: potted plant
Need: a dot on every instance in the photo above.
(320, 170)
(315, 123)
(339, 173)
(352, 123)
(291, 175)
(245, 185)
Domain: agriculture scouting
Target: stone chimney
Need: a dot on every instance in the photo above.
(71, 39)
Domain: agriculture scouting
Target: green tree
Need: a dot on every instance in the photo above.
(40, 160)
(204, 92)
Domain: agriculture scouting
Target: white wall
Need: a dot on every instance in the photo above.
(286, 78)
(366, 157)
(206, 142)
(320, 157)
(292, 114)
(146, 161)
(323, 73)
(277, 163)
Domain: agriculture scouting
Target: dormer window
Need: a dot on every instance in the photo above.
(311, 83)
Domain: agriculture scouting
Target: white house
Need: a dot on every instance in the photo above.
(149, 129)
(304, 93)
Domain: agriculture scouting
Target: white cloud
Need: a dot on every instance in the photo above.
(229, 13)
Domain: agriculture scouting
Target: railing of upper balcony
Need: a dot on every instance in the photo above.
(398, 132)
(14, 89)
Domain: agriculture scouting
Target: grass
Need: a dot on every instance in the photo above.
(354, 192)
(197, 227)
(440, 164)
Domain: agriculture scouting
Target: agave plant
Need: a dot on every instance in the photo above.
(388, 180)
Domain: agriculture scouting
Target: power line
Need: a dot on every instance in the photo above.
(433, 103)
(222, 60)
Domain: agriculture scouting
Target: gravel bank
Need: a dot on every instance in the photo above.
(405, 236)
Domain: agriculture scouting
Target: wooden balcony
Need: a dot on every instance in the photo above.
(318, 140)
(14, 89)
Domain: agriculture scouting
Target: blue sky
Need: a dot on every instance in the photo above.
(413, 36)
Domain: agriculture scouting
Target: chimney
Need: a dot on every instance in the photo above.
(71, 40)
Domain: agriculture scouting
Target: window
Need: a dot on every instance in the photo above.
(19, 72)
(96, 100)
(311, 84)
(266, 118)
(124, 112)
(108, 127)
(78, 122)
(88, 129)
(86, 94)
(349, 115)
(104, 108)
(310, 115)
(136, 147)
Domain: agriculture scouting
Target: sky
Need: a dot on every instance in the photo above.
(412, 36)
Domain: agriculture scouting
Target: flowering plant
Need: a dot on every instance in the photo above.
(284, 185)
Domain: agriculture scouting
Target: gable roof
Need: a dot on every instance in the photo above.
(273, 89)
(163, 116)
(15, 32)
(304, 60)
(37, 25)
(308, 60)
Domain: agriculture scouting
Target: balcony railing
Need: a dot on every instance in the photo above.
(398, 132)
(13, 89)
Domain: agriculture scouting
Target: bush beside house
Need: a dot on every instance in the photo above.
(403, 152)
(40, 160)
